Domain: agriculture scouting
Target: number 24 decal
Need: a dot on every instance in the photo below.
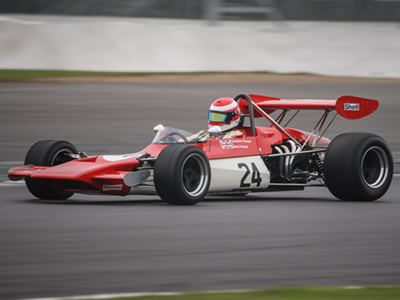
(255, 176)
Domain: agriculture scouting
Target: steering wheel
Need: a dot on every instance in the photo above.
(170, 139)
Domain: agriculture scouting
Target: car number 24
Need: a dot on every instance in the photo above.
(238, 173)
(245, 182)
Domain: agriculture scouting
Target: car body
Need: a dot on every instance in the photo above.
(183, 169)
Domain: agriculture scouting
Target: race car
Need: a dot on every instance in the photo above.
(182, 168)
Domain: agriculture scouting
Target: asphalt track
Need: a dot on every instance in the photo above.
(98, 245)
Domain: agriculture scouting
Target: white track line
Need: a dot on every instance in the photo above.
(108, 296)
(122, 295)
(12, 183)
(20, 21)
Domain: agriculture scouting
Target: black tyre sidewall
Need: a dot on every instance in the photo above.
(42, 154)
(167, 174)
(342, 167)
(164, 179)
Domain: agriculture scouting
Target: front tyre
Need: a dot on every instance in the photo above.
(358, 167)
(48, 153)
(182, 174)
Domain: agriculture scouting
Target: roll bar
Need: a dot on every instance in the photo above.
(251, 115)
(251, 112)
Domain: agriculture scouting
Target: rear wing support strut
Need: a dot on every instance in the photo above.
(276, 124)
(323, 119)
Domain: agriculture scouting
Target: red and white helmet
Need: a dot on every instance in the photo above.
(225, 113)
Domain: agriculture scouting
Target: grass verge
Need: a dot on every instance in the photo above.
(31, 75)
(305, 293)
(8, 75)
(34, 75)
(396, 161)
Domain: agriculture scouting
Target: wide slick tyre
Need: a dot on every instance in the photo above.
(48, 153)
(358, 167)
(182, 174)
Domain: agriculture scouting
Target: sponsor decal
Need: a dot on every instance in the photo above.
(352, 106)
(116, 187)
(226, 144)
(234, 144)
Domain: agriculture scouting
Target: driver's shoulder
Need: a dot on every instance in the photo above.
(234, 134)
(202, 134)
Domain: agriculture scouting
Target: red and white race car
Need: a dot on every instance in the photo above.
(183, 170)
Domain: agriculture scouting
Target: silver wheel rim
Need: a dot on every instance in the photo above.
(58, 157)
(374, 167)
(194, 175)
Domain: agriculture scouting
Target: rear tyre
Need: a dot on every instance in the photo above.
(358, 167)
(182, 174)
(48, 153)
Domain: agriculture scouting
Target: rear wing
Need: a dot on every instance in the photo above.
(349, 107)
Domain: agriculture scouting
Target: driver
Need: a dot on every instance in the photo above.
(225, 115)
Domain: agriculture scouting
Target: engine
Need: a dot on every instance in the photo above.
(290, 163)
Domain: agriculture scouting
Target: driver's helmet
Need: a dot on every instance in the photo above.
(225, 113)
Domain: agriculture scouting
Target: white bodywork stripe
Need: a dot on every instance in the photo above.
(237, 173)
(223, 108)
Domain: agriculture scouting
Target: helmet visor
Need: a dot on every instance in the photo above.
(214, 116)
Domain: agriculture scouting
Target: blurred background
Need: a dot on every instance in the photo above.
(328, 37)
(358, 38)
(327, 10)
(91, 246)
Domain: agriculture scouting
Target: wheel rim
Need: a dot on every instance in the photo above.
(375, 167)
(194, 175)
(60, 157)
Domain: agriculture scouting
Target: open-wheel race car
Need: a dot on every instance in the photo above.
(182, 167)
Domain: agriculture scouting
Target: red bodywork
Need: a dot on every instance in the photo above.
(105, 174)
